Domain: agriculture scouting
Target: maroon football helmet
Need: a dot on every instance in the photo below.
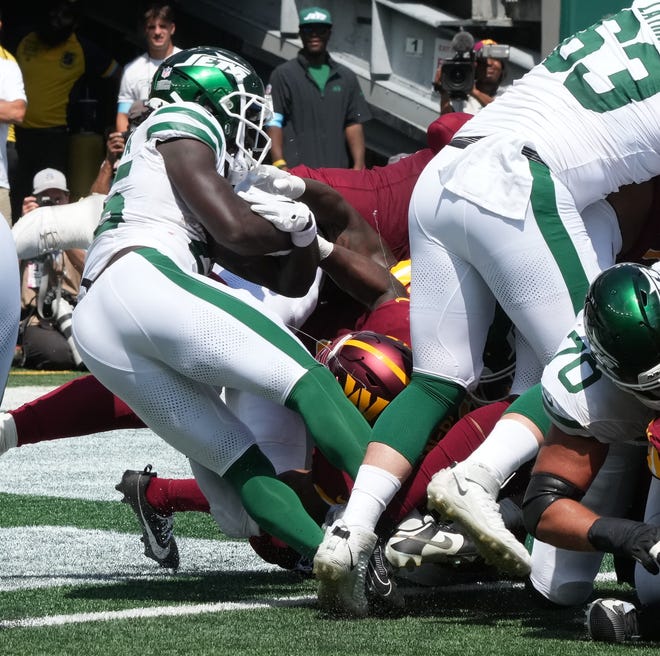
(371, 368)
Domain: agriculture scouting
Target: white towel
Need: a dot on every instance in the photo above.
(493, 174)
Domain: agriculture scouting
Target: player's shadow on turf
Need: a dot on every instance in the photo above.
(211, 588)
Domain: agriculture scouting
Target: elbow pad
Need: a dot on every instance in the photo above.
(542, 491)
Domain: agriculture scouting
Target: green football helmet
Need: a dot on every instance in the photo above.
(622, 324)
(229, 88)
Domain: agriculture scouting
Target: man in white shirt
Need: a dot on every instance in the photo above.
(159, 27)
(13, 103)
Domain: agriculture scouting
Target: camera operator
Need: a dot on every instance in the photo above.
(489, 73)
(49, 188)
(49, 287)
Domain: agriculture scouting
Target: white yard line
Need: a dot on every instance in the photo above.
(155, 611)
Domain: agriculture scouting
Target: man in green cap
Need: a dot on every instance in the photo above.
(318, 106)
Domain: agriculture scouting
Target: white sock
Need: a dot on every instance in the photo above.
(8, 434)
(508, 446)
(374, 488)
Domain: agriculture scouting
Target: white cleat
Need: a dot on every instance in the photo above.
(340, 565)
(466, 494)
(8, 434)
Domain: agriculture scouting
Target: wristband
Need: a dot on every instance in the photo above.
(325, 247)
(305, 237)
(279, 163)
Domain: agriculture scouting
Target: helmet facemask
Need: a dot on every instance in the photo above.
(251, 143)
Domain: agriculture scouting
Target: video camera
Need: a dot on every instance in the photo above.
(457, 76)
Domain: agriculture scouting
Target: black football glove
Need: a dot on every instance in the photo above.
(624, 537)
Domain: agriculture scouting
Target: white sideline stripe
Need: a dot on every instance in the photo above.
(158, 611)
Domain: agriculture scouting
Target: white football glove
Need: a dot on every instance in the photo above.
(286, 215)
(275, 181)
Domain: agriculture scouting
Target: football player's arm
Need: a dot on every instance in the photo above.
(12, 111)
(354, 134)
(564, 469)
(190, 166)
(232, 225)
(291, 275)
(365, 280)
(342, 224)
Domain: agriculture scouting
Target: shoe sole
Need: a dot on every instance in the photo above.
(602, 625)
(410, 561)
(509, 557)
(344, 596)
(328, 568)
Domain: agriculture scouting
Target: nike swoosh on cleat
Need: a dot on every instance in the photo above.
(158, 551)
(461, 490)
(446, 543)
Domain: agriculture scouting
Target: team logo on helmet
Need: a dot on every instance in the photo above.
(371, 368)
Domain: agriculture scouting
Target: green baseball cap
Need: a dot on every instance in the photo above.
(315, 16)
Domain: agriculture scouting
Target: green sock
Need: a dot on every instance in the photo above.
(272, 504)
(338, 429)
(409, 421)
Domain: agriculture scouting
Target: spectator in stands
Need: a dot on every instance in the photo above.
(318, 106)
(17, 107)
(159, 27)
(488, 76)
(54, 60)
(12, 110)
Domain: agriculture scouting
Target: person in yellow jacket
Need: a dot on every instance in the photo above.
(54, 59)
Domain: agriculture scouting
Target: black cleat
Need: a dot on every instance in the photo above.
(381, 588)
(157, 530)
(611, 620)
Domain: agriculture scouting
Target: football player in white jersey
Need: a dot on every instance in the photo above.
(10, 302)
(157, 332)
(601, 390)
(496, 216)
